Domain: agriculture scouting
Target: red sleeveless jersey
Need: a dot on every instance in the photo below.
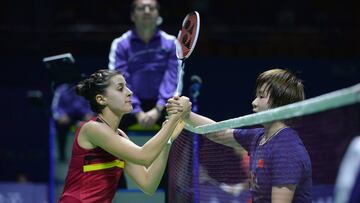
(93, 174)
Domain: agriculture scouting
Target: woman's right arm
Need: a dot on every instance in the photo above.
(225, 137)
(102, 136)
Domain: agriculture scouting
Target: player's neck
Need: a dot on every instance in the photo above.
(146, 34)
(272, 128)
(110, 119)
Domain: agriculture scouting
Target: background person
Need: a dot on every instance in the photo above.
(67, 110)
(147, 58)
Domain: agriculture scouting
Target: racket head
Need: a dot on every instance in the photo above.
(188, 35)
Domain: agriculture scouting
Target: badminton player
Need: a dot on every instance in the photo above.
(280, 167)
(101, 152)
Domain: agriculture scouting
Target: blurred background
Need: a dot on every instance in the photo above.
(317, 39)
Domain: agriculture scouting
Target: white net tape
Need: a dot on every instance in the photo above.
(339, 98)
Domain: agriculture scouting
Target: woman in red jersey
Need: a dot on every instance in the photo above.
(101, 151)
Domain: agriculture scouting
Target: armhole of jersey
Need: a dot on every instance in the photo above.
(76, 142)
(77, 133)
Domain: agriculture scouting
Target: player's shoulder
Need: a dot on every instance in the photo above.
(92, 126)
(289, 133)
(288, 138)
(124, 38)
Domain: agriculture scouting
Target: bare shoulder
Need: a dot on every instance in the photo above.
(96, 131)
(88, 130)
(96, 134)
(92, 127)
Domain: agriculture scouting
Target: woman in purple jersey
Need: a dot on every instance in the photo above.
(280, 167)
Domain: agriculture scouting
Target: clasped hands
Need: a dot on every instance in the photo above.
(180, 106)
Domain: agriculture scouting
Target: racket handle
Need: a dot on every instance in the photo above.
(179, 86)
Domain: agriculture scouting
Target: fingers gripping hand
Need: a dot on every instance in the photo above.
(173, 106)
(186, 106)
(180, 105)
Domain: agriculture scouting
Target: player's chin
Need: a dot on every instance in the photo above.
(129, 110)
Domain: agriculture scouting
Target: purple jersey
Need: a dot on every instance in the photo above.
(282, 160)
(150, 69)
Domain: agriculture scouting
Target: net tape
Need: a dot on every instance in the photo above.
(339, 98)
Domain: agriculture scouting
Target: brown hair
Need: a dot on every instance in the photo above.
(282, 85)
(94, 85)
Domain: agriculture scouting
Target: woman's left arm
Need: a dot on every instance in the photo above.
(148, 179)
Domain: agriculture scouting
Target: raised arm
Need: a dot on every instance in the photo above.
(148, 179)
(98, 134)
(225, 137)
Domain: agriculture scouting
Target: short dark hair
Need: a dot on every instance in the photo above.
(282, 85)
(94, 85)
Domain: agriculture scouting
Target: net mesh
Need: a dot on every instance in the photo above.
(180, 176)
(203, 171)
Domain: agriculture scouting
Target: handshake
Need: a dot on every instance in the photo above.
(179, 107)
